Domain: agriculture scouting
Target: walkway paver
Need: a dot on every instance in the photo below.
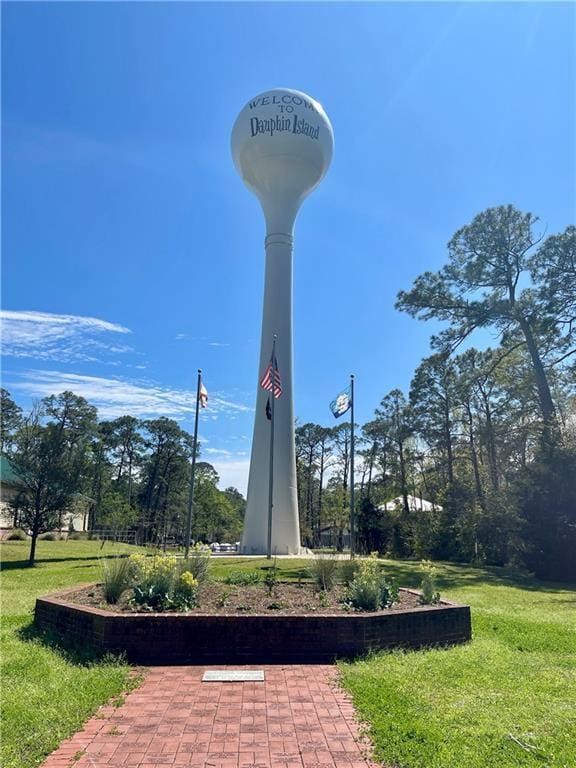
(297, 718)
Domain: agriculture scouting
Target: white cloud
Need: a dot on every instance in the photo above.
(203, 339)
(233, 472)
(225, 454)
(46, 336)
(118, 396)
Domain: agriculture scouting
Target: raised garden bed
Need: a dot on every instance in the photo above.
(229, 636)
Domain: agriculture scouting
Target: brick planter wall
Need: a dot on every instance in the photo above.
(177, 638)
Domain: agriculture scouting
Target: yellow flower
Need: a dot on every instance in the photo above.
(188, 581)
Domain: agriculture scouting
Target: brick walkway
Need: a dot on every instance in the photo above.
(297, 718)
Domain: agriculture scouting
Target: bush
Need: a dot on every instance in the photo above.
(243, 578)
(185, 592)
(48, 537)
(116, 577)
(17, 535)
(324, 570)
(347, 571)
(198, 562)
(369, 590)
(161, 583)
(154, 579)
(429, 596)
(78, 536)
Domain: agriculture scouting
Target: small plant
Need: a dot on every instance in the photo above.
(347, 570)
(224, 599)
(271, 578)
(116, 577)
(243, 578)
(430, 595)
(155, 579)
(17, 535)
(186, 592)
(369, 590)
(198, 562)
(323, 598)
(324, 571)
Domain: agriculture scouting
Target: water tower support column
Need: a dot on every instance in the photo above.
(276, 319)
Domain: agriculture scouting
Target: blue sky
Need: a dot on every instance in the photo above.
(133, 254)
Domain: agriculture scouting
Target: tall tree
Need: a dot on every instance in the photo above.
(482, 286)
(553, 269)
(215, 516)
(165, 476)
(45, 458)
(341, 470)
(126, 443)
(10, 419)
(75, 422)
(311, 447)
(396, 420)
(432, 398)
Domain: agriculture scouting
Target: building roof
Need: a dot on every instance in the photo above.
(7, 474)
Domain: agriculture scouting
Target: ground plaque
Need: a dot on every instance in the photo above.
(234, 676)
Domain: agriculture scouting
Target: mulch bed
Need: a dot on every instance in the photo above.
(227, 599)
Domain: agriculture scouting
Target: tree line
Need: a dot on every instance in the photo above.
(122, 474)
(487, 436)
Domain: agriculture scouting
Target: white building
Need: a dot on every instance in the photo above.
(415, 504)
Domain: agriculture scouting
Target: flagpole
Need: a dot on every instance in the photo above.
(193, 470)
(271, 476)
(352, 531)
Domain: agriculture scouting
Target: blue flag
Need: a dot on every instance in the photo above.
(341, 404)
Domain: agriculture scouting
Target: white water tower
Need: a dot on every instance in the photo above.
(282, 144)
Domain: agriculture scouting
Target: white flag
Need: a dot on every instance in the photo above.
(203, 396)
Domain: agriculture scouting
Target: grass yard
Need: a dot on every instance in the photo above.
(46, 696)
(506, 700)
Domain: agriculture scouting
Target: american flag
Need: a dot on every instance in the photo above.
(266, 383)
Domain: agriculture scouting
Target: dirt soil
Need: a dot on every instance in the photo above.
(227, 599)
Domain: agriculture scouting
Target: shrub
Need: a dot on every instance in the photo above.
(78, 536)
(154, 579)
(48, 537)
(185, 592)
(198, 562)
(116, 577)
(369, 590)
(347, 570)
(430, 595)
(243, 578)
(324, 570)
(17, 535)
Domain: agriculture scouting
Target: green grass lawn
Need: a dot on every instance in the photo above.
(507, 699)
(46, 695)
